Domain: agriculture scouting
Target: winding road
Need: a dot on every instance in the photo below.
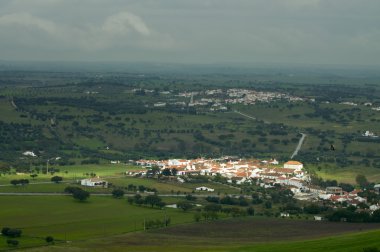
(299, 145)
(110, 194)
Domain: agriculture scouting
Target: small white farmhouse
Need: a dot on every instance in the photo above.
(284, 215)
(204, 188)
(29, 153)
(94, 182)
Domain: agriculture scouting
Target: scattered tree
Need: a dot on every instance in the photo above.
(14, 243)
(22, 182)
(184, 205)
(213, 208)
(118, 193)
(166, 172)
(190, 197)
(56, 179)
(11, 232)
(361, 180)
(78, 193)
(152, 200)
(268, 204)
(250, 211)
(197, 216)
(33, 176)
(49, 239)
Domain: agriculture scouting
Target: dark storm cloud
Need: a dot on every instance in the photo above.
(197, 31)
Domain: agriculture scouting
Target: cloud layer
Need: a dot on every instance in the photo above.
(197, 31)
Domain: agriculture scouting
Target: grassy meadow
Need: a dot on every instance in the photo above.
(113, 173)
(238, 235)
(66, 219)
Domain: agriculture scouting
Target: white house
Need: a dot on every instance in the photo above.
(181, 180)
(273, 162)
(360, 199)
(374, 207)
(94, 182)
(29, 153)
(135, 172)
(293, 165)
(296, 182)
(243, 180)
(160, 104)
(377, 188)
(369, 134)
(177, 162)
(204, 188)
(324, 196)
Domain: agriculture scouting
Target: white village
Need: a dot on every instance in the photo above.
(265, 173)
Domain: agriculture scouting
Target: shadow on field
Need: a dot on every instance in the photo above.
(221, 236)
(256, 230)
(239, 231)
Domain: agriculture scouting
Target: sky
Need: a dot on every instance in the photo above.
(335, 32)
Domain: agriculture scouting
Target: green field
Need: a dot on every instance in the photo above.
(66, 219)
(248, 234)
(346, 243)
(348, 175)
(95, 121)
(114, 174)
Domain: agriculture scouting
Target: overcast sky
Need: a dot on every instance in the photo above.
(192, 31)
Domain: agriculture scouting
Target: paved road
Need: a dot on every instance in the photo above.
(39, 183)
(109, 194)
(96, 194)
(13, 104)
(43, 194)
(300, 142)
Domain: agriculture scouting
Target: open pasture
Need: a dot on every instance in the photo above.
(66, 219)
(248, 234)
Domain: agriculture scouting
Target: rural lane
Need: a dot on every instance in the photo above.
(299, 145)
(107, 194)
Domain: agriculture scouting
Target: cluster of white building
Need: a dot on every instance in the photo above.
(369, 134)
(247, 96)
(367, 104)
(267, 172)
(349, 103)
(337, 195)
(217, 99)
